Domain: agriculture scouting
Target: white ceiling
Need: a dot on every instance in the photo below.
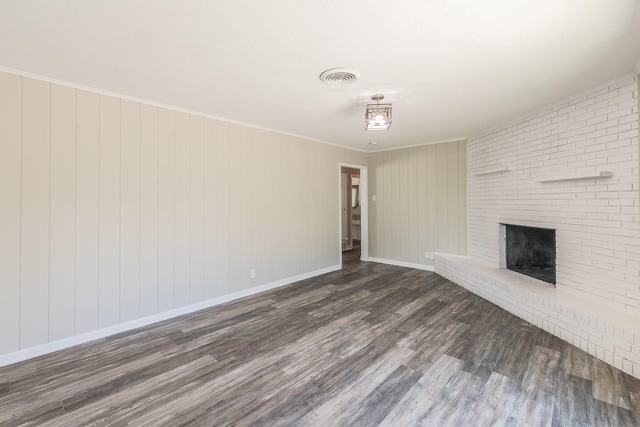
(450, 68)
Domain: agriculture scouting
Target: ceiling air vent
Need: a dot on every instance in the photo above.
(339, 76)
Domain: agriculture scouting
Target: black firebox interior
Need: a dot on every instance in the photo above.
(532, 251)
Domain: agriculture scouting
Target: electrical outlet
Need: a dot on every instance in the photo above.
(252, 273)
(426, 255)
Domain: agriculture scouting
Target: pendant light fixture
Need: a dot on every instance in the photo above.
(378, 116)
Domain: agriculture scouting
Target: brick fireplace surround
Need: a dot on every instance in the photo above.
(572, 166)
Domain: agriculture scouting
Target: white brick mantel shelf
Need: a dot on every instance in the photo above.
(601, 174)
(599, 329)
(493, 171)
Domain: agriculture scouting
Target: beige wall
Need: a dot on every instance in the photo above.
(421, 202)
(112, 210)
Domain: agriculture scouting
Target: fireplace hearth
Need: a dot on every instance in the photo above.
(530, 251)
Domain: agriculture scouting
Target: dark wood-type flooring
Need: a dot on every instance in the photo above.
(369, 345)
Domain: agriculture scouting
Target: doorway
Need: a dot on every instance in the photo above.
(353, 242)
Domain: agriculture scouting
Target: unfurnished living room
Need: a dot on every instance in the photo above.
(301, 213)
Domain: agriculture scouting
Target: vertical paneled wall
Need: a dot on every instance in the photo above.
(10, 209)
(112, 210)
(420, 202)
(62, 233)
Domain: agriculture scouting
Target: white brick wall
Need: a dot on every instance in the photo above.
(596, 303)
(597, 221)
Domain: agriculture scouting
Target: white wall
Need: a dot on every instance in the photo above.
(597, 220)
(420, 203)
(595, 303)
(113, 210)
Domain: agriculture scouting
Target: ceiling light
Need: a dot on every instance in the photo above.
(378, 116)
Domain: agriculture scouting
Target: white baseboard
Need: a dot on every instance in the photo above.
(402, 263)
(31, 352)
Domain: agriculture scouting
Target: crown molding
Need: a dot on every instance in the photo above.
(404, 147)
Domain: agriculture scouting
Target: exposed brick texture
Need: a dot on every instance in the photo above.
(596, 303)
(597, 221)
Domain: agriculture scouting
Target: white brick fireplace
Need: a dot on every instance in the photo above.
(572, 167)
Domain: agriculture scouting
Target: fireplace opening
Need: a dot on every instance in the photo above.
(531, 251)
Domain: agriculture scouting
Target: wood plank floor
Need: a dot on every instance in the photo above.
(369, 345)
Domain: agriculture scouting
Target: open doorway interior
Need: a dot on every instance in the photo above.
(351, 210)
